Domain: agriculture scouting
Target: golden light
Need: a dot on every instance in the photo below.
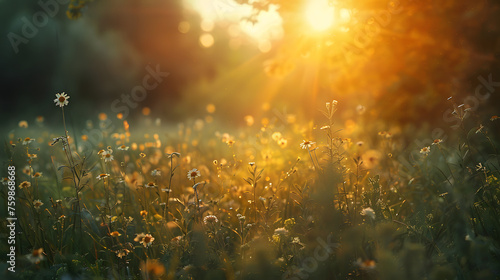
(262, 33)
(319, 14)
(207, 40)
(184, 27)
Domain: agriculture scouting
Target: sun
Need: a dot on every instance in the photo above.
(319, 14)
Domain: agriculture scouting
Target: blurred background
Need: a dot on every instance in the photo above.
(400, 60)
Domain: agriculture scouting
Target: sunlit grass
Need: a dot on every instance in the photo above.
(274, 194)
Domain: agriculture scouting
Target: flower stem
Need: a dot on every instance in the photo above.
(69, 155)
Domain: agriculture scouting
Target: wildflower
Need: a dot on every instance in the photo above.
(102, 176)
(371, 158)
(166, 190)
(143, 213)
(281, 231)
(142, 155)
(276, 238)
(492, 180)
(230, 142)
(276, 136)
(437, 142)
(252, 163)
(37, 204)
(331, 104)
(325, 127)
(494, 118)
(282, 142)
(480, 167)
(107, 155)
(115, 234)
(156, 172)
(36, 256)
(122, 253)
(173, 154)
(23, 124)
(37, 174)
(5, 181)
(289, 223)
(193, 173)
(210, 219)
(425, 150)
(27, 140)
(368, 212)
(150, 185)
(24, 184)
(139, 237)
(145, 239)
(123, 148)
(306, 144)
(61, 99)
(225, 137)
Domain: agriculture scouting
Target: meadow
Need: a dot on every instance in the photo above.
(250, 139)
(275, 198)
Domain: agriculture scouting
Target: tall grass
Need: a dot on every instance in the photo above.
(261, 202)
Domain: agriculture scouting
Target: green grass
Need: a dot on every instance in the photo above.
(265, 206)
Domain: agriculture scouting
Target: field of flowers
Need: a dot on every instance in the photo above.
(276, 198)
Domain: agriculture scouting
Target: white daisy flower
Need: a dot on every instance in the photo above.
(193, 173)
(27, 140)
(107, 156)
(61, 99)
(123, 148)
(306, 144)
(425, 150)
(102, 176)
(210, 219)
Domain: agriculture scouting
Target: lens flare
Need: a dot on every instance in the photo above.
(319, 14)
